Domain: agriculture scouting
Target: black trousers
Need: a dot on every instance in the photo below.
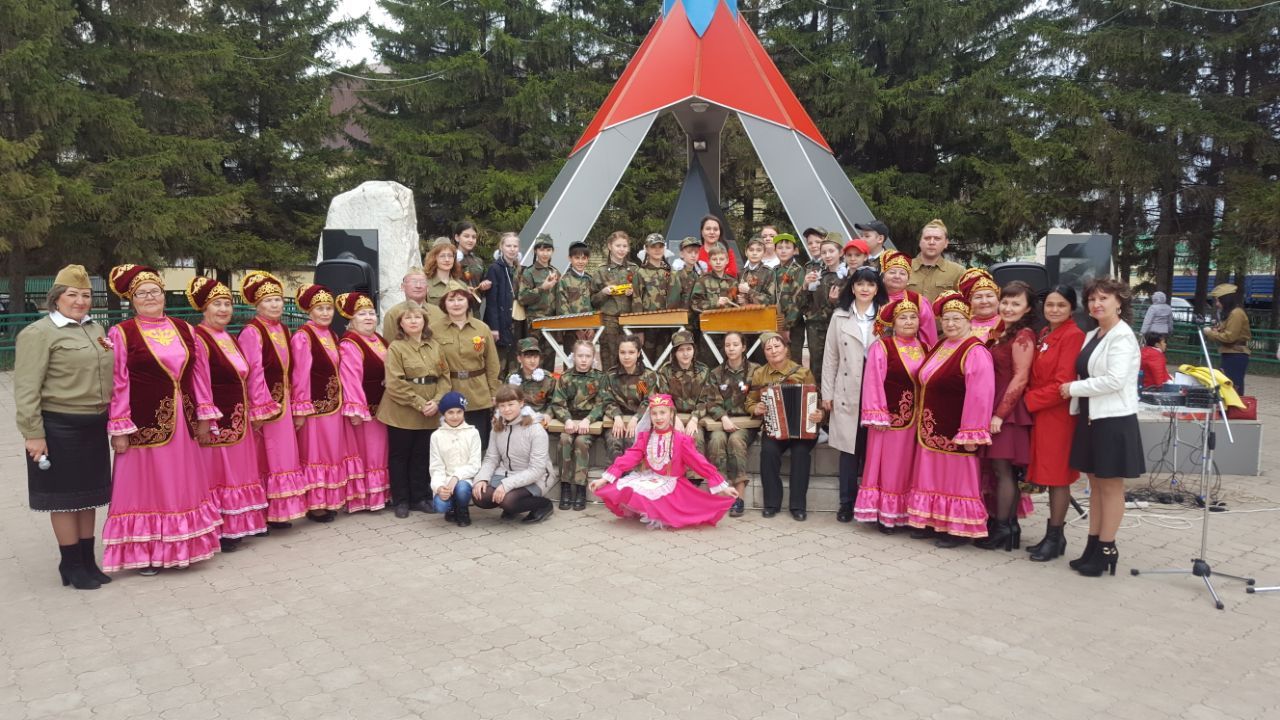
(482, 420)
(517, 501)
(409, 464)
(851, 469)
(771, 471)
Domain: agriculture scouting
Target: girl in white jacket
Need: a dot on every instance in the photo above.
(455, 460)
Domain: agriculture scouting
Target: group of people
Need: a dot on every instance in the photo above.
(945, 394)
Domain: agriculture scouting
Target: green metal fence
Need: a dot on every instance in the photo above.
(11, 325)
(1184, 345)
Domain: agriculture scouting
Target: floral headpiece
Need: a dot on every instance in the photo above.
(975, 279)
(894, 258)
(350, 303)
(661, 400)
(125, 279)
(952, 301)
(202, 291)
(890, 312)
(309, 296)
(258, 285)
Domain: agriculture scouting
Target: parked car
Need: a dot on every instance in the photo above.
(1185, 313)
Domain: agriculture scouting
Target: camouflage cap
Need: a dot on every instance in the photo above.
(690, 242)
(579, 247)
(654, 239)
(543, 240)
(528, 345)
(682, 337)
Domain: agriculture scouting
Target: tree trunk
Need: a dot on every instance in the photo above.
(17, 279)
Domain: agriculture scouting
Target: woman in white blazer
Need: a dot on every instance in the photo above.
(1107, 446)
(851, 332)
(517, 472)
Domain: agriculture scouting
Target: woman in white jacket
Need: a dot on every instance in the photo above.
(455, 460)
(1107, 445)
(517, 471)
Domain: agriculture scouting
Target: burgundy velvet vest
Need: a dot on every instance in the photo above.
(273, 371)
(229, 392)
(899, 388)
(151, 386)
(374, 372)
(942, 402)
(326, 390)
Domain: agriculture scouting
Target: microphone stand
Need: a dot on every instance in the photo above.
(1200, 564)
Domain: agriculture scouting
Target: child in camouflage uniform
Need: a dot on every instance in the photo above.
(713, 290)
(756, 280)
(685, 380)
(630, 384)
(535, 289)
(654, 292)
(535, 383)
(576, 403)
(683, 279)
(789, 282)
(612, 288)
(573, 293)
(465, 236)
(726, 397)
(824, 288)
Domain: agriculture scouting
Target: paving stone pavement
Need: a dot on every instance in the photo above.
(588, 616)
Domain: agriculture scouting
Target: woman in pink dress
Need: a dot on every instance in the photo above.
(895, 271)
(326, 442)
(889, 396)
(161, 514)
(957, 386)
(983, 295)
(658, 492)
(362, 371)
(231, 455)
(264, 342)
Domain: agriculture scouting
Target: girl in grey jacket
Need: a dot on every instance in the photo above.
(517, 472)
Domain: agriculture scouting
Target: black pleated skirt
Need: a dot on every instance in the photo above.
(79, 477)
(1108, 447)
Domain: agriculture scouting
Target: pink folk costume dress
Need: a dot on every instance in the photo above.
(986, 329)
(658, 493)
(928, 332)
(326, 441)
(362, 371)
(161, 514)
(889, 395)
(265, 346)
(231, 458)
(956, 391)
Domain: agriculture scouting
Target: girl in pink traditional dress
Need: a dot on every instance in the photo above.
(161, 514)
(362, 371)
(889, 395)
(326, 442)
(957, 387)
(895, 271)
(983, 295)
(658, 493)
(264, 341)
(231, 455)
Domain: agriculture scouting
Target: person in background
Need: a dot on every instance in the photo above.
(895, 271)
(1155, 369)
(362, 370)
(686, 274)
(1159, 317)
(791, 296)
(465, 237)
(455, 460)
(536, 289)
(855, 255)
(1232, 333)
(517, 472)
(414, 286)
(770, 260)
(500, 299)
(61, 391)
(612, 289)
(714, 290)
(535, 383)
(685, 380)
(573, 292)
(441, 268)
(813, 238)
(726, 398)
(932, 274)
(712, 237)
(875, 234)
(824, 288)
(653, 292)
(756, 281)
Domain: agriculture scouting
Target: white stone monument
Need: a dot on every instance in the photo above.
(387, 207)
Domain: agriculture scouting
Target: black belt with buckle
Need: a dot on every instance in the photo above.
(463, 375)
(424, 380)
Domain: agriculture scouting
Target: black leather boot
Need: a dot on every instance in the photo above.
(566, 495)
(845, 513)
(1004, 534)
(579, 497)
(463, 515)
(1090, 547)
(1048, 529)
(1104, 558)
(1053, 545)
(89, 559)
(72, 569)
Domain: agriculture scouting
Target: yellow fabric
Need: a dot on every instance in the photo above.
(1230, 397)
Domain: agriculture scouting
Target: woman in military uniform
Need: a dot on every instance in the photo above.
(468, 348)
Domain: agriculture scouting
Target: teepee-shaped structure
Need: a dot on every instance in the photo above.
(701, 61)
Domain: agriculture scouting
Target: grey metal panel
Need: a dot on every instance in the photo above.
(833, 178)
(574, 201)
(696, 199)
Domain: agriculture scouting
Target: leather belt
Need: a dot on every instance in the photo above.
(464, 374)
(424, 380)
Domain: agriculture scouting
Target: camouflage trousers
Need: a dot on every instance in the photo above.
(575, 458)
(728, 452)
(817, 332)
(796, 351)
(609, 341)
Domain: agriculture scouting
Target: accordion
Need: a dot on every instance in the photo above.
(787, 409)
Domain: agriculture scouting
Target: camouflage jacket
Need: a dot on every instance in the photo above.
(615, 274)
(820, 305)
(536, 301)
(577, 396)
(573, 294)
(709, 288)
(473, 269)
(727, 389)
(655, 294)
(537, 393)
(682, 282)
(762, 282)
(686, 387)
(628, 393)
(790, 292)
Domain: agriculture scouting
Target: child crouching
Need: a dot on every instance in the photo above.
(455, 460)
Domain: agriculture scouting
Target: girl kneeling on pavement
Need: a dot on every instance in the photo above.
(517, 471)
(455, 460)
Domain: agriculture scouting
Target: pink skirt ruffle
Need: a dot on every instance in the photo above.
(327, 449)
(948, 495)
(158, 539)
(370, 490)
(886, 477)
(286, 486)
(236, 485)
(683, 506)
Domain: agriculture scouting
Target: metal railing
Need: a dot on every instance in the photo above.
(1184, 345)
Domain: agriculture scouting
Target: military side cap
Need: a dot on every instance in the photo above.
(690, 242)
(682, 337)
(528, 345)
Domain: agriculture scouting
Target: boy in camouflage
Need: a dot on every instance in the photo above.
(824, 288)
(755, 279)
(534, 382)
(789, 281)
(629, 386)
(535, 289)
(685, 380)
(654, 293)
(576, 403)
(713, 290)
(612, 288)
(682, 280)
(726, 398)
(573, 293)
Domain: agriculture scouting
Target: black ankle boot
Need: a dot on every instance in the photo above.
(462, 515)
(1005, 534)
(73, 571)
(1104, 559)
(1090, 547)
(89, 559)
(1053, 545)
(1048, 530)
(566, 495)
(845, 513)
(579, 497)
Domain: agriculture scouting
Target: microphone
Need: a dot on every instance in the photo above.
(43, 462)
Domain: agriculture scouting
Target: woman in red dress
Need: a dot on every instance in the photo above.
(1051, 435)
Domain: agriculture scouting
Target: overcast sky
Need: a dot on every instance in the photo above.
(360, 46)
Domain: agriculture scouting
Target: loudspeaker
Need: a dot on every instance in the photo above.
(350, 264)
(1033, 274)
